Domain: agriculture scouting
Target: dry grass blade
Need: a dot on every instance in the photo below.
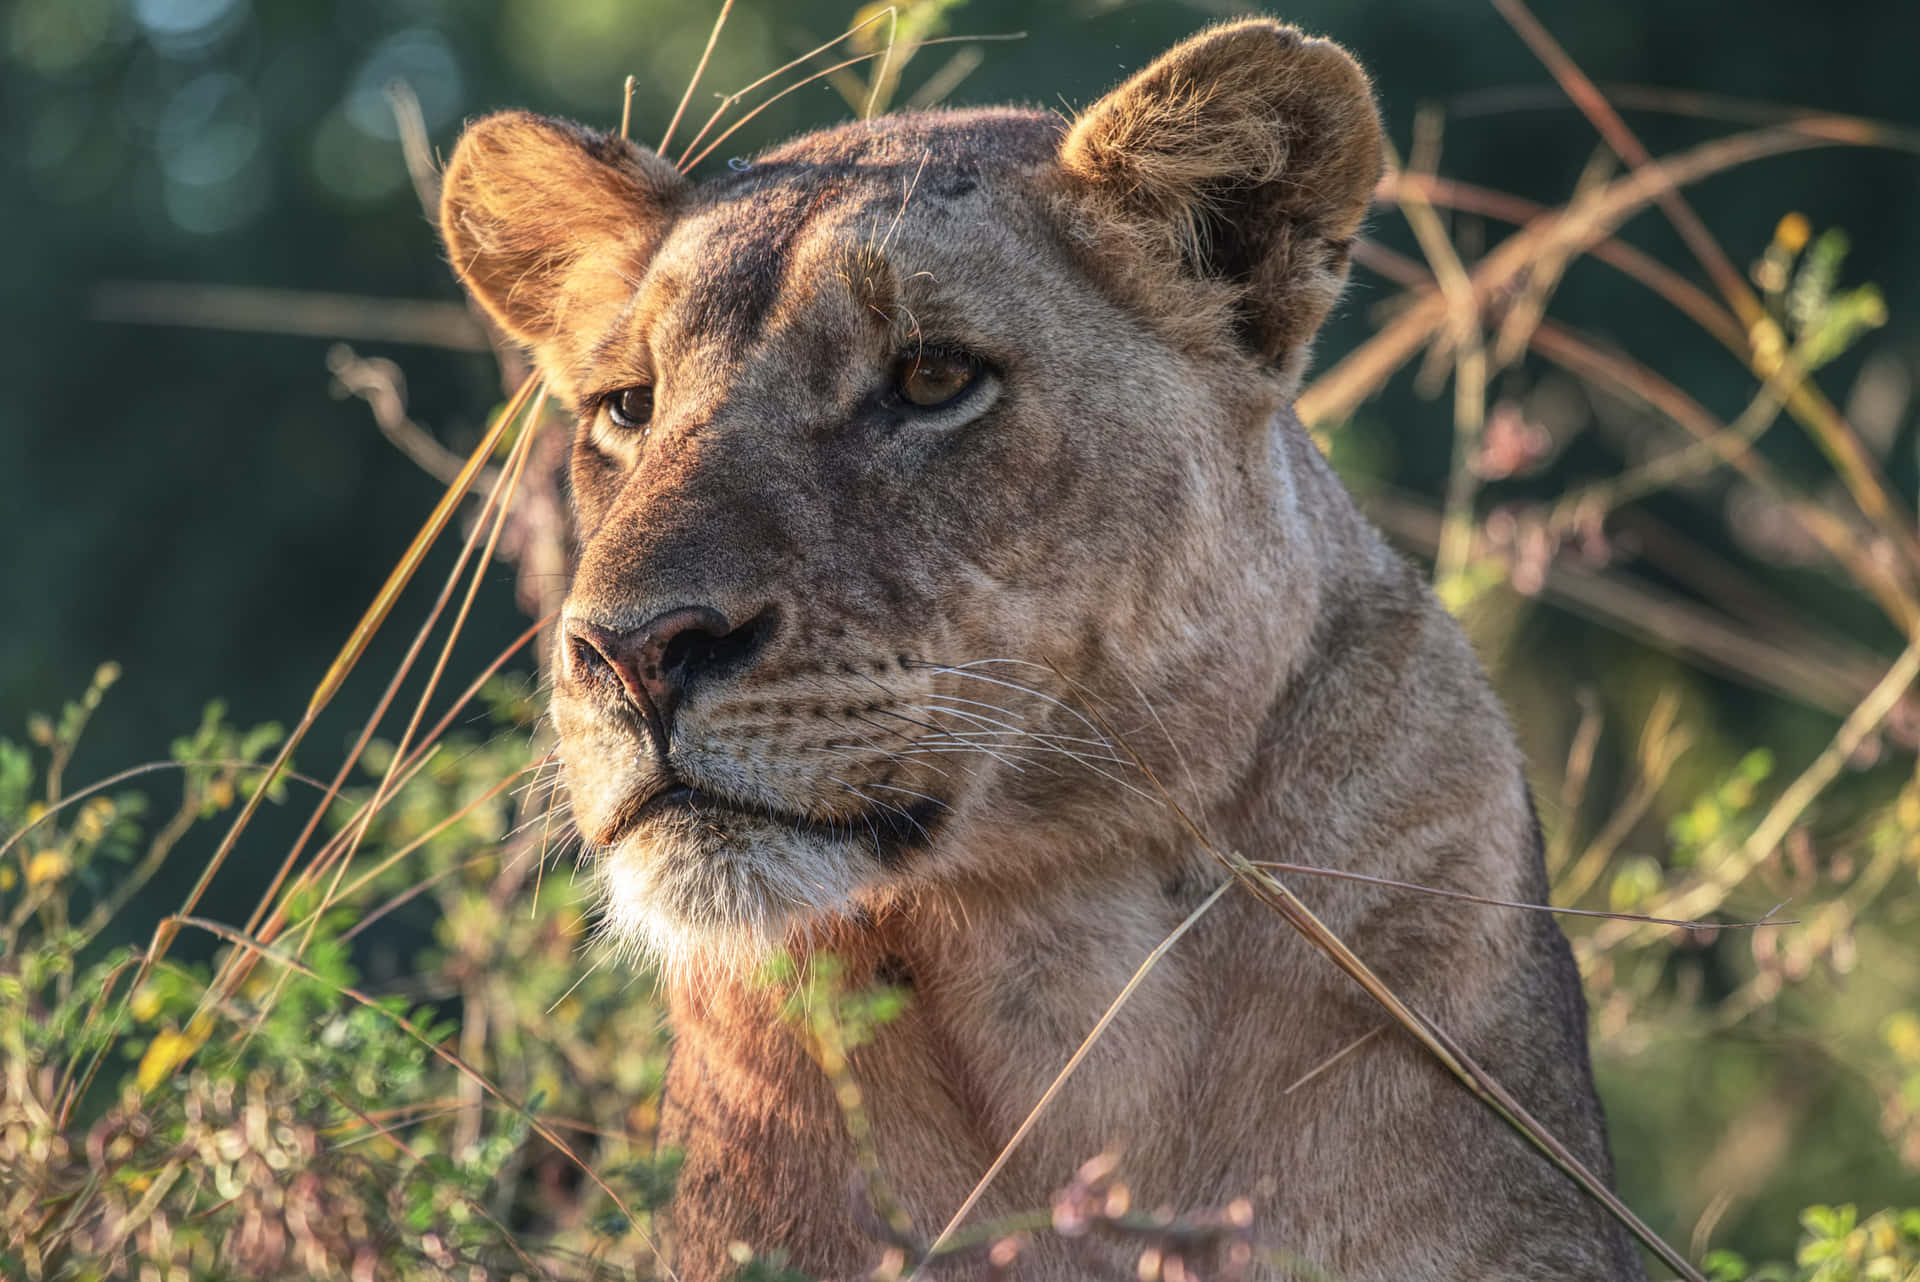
(1694, 103)
(946, 80)
(1574, 777)
(1336, 393)
(1661, 746)
(502, 484)
(699, 70)
(727, 102)
(501, 502)
(134, 772)
(415, 146)
(323, 694)
(1683, 294)
(1465, 339)
(1451, 1054)
(417, 759)
(301, 313)
(410, 560)
(684, 163)
(892, 13)
(1060, 1079)
(339, 853)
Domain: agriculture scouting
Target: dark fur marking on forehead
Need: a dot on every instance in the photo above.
(746, 261)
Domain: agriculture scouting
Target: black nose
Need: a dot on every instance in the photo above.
(654, 665)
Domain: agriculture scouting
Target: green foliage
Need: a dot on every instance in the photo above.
(274, 1120)
(1838, 1246)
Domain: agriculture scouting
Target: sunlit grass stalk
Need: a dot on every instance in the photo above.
(1334, 394)
(340, 852)
(272, 895)
(500, 501)
(323, 694)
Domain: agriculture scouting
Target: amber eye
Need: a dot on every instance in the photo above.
(631, 408)
(931, 379)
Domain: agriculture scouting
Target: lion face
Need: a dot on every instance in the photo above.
(919, 466)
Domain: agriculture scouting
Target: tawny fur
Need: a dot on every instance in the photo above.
(1123, 516)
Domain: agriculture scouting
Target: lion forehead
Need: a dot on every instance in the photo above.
(855, 213)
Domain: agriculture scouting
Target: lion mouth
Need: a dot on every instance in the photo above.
(893, 832)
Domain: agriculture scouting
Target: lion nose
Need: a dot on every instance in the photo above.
(657, 663)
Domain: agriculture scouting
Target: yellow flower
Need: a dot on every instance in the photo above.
(1792, 232)
(169, 1049)
(46, 867)
(1907, 811)
(93, 820)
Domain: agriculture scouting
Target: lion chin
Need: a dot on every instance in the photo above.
(694, 881)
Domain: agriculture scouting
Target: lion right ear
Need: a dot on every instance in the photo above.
(549, 223)
(1244, 157)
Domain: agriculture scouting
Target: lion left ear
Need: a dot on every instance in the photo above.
(1248, 155)
(548, 223)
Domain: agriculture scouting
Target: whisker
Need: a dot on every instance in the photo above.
(961, 671)
(1033, 740)
(1102, 741)
(1178, 756)
(911, 793)
(885, 805)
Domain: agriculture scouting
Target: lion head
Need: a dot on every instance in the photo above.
(927, 470)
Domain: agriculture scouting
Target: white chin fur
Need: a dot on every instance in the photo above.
(687, 904)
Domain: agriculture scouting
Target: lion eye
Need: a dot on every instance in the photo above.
(631, 407)
(932, 379)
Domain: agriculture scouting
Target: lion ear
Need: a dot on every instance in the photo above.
(1248, 154)
(546, 221)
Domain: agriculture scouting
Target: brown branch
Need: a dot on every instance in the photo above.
(304, 313)
(1827, 425)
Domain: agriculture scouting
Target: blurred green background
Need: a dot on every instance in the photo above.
(198, 503)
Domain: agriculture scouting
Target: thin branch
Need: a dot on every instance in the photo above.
(302, 313)
(383, 387)
(415, 146)
(699, 70)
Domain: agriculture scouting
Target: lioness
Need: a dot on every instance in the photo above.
(920, 462)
